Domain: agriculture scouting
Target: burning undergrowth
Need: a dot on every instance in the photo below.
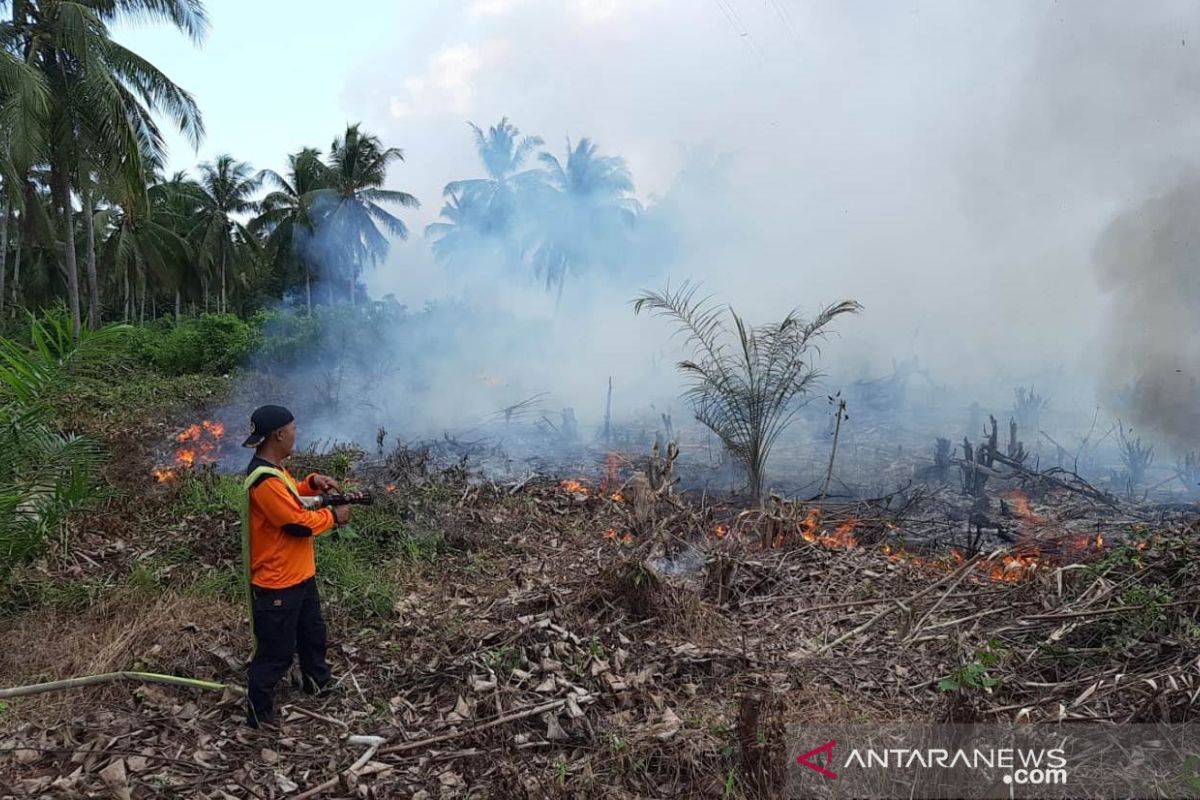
(545, 655)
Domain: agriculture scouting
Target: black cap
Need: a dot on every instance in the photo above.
(264, 421)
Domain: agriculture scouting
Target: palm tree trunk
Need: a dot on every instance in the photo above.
(307, 290)
(4, 225)
(142, 305)
(221, 301)
(125, 306)
(63, 190)
(353, 280)
(89, 225)
(178, 303)
(16, 282)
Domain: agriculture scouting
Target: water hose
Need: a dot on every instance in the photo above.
(89, 680)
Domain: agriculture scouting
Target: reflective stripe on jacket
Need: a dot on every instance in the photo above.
(279, 529)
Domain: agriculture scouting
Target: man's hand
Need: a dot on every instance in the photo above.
(323, 483)
(341, 514)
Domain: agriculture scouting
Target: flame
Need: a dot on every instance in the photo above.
(164, 474)
(1014, 568)
(391, 487)
(617, 497)
(625, 538)
(842, 537)
(809, 525)
(1021, 507)
(574, 486)
(720, 531)
(201, 440)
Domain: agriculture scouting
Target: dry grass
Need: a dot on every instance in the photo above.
(127, 630)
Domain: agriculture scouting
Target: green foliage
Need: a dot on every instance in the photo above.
(287, 336)
(19, 596)
(45, 474)
(744, 387)
(974, 674)
(225, 584)
(352, 578)
(1189, 774)
(211, 343)
(502, 660)
(208, 494)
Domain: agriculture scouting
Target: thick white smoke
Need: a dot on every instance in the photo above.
(951, 166)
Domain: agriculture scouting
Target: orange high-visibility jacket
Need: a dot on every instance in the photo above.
(282, 530)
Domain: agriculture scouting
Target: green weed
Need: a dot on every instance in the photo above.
(974, 674)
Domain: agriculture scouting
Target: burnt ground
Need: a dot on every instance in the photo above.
(553, 641)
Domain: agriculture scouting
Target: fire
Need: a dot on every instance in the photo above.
(612, 469)
(842, 537)
(809, 525)
(573, 486)
(1021, 508)
(617, 497)
(391, 487)
(720, 531)
(199, 444)
(1014, 568)
(625, 538)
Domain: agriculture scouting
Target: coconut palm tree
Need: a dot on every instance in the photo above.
(228, 188)
(347, 236)
(580, 222)
(503, 151)
(103, 97)
(461, 233)
(145, 244)
(287, 218)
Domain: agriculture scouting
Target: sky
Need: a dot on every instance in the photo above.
(952, 165)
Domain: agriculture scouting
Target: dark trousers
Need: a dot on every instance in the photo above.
(287, 622)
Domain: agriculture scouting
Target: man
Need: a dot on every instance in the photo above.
(277, 545)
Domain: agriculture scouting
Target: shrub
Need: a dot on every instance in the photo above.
(210, 343)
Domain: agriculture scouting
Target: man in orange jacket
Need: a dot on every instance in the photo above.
(278, 532)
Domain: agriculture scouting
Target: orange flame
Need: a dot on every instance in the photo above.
(202, 441)
(391, 487)
(720, 531)
(842, 537)
(1021, 507)
(574, 487)
(164, 474)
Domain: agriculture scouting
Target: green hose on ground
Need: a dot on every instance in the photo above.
(89, 680)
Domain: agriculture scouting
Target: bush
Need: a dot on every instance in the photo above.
(210, 343)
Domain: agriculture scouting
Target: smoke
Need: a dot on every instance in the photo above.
(956, 168)
(1147, 261)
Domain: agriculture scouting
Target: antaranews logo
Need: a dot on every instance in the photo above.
(1020, 766)
(805, 759)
